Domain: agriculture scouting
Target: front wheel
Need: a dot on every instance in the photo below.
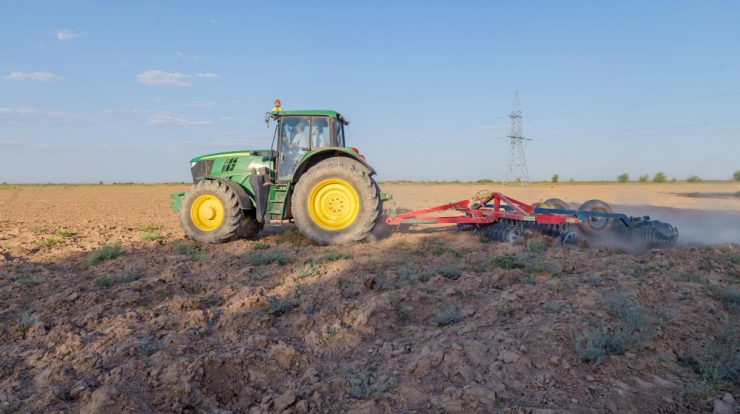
(210, 212)
(336, 202)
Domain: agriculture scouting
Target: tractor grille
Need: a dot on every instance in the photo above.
(229, 165)
(201, 169)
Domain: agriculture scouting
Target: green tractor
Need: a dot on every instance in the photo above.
(310, 178)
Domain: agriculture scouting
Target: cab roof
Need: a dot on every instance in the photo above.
(319, 112)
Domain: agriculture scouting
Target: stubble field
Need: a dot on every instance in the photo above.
(105, 307)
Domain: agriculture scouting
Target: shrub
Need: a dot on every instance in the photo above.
(441, 250)
(104, 281)
(26, 322)
(193, 250)
(279, 307)
(150, 233)
(644, 178)
(265, 258)
(507, 262)
(105, 252)
(48, 242)
(729, 295)
(660, 177)
(629, 332)
(736, 176)
(407, 275)
(449, 271)
(555, 178)
(719, 360)
(64, 233)
(485, 181)
(694, 179)
(260, 245)
(364, 385)
(333, 256)
(623, 178)
(309, 269)
(537, 245)
(447, 316)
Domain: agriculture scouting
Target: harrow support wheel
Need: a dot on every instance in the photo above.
(596, 226)
(210, 212)
(336, 202)
(555, 203)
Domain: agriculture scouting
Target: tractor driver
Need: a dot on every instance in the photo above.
(292, 147)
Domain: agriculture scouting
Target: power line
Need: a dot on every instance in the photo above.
(640, 136)
(612, 108)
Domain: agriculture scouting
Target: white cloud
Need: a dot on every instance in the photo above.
(201, 104)
(127, 111)
(183, 56)
(66, 35)
(37, 116)
(160, 78)
(207, 75)
(33, 76)
(7, 142)
(167, 119)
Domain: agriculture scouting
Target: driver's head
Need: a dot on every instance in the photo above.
(300, 127)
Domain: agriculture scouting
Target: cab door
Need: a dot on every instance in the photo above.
(294, 143)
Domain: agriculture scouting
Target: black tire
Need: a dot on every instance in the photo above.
(555, 203)
(249, 226)
(596, 226)
(358, 177)
(232, 214)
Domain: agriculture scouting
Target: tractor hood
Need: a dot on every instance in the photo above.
(232, 154)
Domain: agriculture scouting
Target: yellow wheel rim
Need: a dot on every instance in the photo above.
(207, 212)
(333, 204)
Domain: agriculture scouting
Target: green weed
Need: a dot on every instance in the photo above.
(442, 250)
(269, 257)
(309, 269)
(193, 250)
(48, 242)
(630, 331)
(447, 316)
(279, 307)
(64, 233)
(537, 245)
(151, 233)
(729, 295)
(27, 320)
(333, 256)
(507, 262)
(364, 384)
(104, 281)
(449, 271)
(260, 245)
(105, 252)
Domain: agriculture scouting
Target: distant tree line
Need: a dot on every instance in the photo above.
(661, 177)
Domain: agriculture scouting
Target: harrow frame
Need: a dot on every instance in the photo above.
(478, 210)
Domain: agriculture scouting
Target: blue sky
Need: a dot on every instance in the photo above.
(130, 91)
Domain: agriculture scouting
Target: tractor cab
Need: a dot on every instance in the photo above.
(302, 133)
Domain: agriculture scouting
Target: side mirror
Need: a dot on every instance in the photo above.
(267, 119)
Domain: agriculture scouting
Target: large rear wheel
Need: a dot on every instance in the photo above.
(336, 202)
(210, 213)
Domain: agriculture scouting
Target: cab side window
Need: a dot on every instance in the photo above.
(320, 132)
